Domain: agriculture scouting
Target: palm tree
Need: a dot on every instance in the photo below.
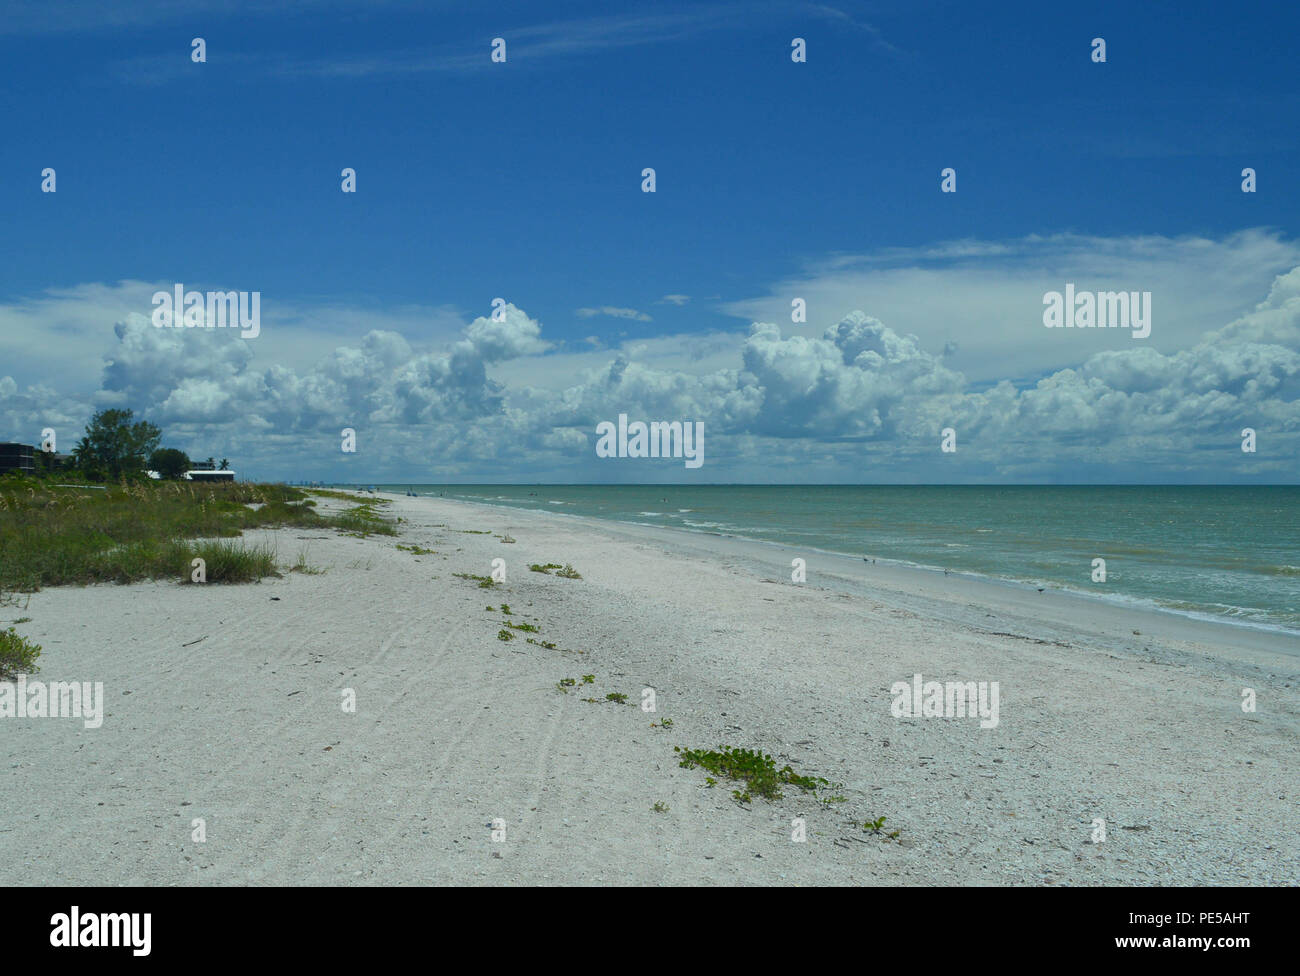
(225, 465)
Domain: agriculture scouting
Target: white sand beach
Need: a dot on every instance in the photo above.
(224, 703)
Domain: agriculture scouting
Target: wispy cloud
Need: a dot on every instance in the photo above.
(529, 44)
(524, 45)
(34, 17)
(614, 312)
(835, 15)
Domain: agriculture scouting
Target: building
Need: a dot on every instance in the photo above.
(17, 457)
(207, 474)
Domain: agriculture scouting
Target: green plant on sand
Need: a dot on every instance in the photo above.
(756, 769)
(17, 654)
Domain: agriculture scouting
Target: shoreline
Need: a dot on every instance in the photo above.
(223, 704)
(1270, 638)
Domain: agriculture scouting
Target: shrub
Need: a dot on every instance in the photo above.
(53, 536)
(17, 654)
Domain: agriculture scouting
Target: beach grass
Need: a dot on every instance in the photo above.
(54, 536)
(363, 520)
(231, 562)
(302, 565)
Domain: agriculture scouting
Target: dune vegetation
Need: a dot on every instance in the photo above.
(52, 535)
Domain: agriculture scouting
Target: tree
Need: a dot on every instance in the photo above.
(47, 462)
(169, 462)
(114, 446)
(225, 465)
(212, 463)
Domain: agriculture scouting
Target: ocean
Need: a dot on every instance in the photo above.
(1225, 552)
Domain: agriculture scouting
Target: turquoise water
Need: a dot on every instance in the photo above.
(1226, 552)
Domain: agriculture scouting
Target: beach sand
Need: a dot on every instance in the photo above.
(1125, 715)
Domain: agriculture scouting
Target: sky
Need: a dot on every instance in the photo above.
(774, 180)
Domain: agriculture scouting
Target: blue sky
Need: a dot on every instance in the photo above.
(774, 180)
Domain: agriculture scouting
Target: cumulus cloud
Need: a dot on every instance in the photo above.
(511, 336)
(25, 412)
(847, 384)
(149, 363)
(862, 400)
(985, 297)
(1181, 411)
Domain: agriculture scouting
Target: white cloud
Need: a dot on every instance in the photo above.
(613, 312)
(985, 298)
(863, 400)
(526, 44)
